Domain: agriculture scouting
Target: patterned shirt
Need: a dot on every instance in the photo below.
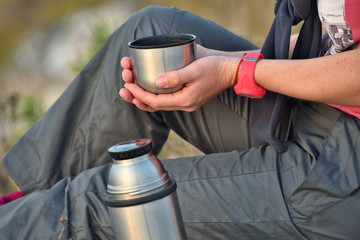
(333, 15)
(341, 19)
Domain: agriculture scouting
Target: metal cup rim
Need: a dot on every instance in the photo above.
(140, 43)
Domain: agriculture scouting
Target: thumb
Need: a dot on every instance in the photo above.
(175, 78)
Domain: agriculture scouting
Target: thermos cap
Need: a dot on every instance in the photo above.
(130, 149)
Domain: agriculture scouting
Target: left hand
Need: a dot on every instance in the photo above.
(203, 79)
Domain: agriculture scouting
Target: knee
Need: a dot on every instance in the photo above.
(152, 20)
(153, 10)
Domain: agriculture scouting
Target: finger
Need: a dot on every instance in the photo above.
(127, 75)
(126, 95)
(176, 78)
(143, 106)
(126, 62)
(157, 102)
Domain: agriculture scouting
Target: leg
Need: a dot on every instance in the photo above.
(326, 204)
(311, 191)
(222, 196)
(246, 195)
(253, 194)
(238, 195)
(72, 208)
(90, 116)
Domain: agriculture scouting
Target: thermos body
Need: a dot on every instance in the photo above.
(141, 197)
(160, 219)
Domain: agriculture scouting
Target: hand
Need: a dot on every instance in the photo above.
(126, 62)
(203, 79)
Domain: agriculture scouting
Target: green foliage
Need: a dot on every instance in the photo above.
(17, 114)
(16, 16)
(100, 32)
(30, 109)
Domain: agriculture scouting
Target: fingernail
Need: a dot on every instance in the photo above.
(161, 82)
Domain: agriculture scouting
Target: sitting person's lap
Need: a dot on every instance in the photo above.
(236, 189)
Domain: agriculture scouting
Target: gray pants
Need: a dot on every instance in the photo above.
(235, 191)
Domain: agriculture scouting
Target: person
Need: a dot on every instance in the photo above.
(300, 184)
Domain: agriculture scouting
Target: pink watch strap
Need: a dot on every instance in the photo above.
(246, 85)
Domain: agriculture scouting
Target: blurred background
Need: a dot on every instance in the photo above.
(45, 43)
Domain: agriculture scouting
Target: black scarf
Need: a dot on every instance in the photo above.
(267, 112)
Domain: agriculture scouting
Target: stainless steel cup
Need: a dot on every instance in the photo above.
(155, 55)
(141, 197)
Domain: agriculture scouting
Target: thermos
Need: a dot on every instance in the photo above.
(141, 197)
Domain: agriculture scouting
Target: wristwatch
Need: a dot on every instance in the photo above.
(245, 85)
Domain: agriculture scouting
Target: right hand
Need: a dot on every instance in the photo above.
(203, 79)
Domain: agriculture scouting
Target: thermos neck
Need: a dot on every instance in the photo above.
(112, 201)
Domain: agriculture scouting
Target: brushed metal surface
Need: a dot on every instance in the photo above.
(153, 56)
(141, 196)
